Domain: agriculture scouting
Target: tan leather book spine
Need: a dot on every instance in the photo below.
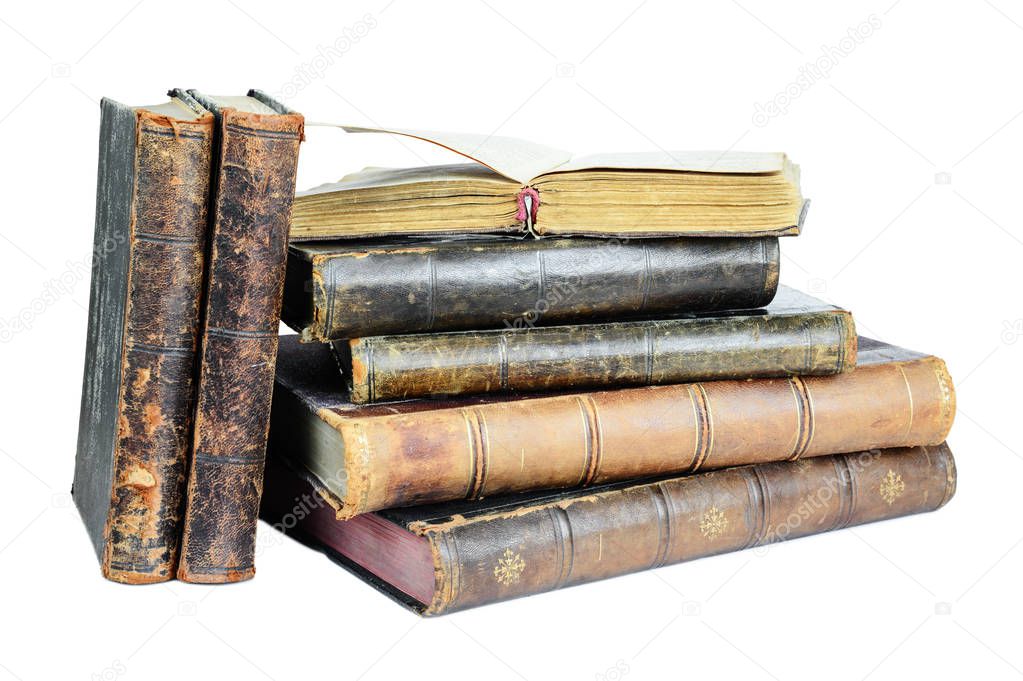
(484, 449)
(537, 548)
(255, 182)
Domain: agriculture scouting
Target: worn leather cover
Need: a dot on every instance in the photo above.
(255, 186)
(495, 550)
(349, 290)
(421, 451)
(794, 335)
(138, 390)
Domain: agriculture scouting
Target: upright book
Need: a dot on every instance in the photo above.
(254, 179)
(387, 455)
(354, 289)
(794, 335)
(137, 395)
(515, 186)
(443, 558)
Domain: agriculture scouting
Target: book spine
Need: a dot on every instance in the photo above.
(258, 155)
(599, 355)
(591, 438)
(166, 240)
(521, 284)
(517, 553)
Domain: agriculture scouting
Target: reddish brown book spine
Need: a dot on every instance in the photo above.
(255, 185)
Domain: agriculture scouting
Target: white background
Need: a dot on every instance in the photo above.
(910, 152)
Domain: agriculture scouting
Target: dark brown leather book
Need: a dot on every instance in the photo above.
(349, 290)
(438, 559)
(254, 179)
(794, 335)
(421, 451)
(137, 395)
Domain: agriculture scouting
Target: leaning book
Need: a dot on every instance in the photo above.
(138, 392)
(254, 183)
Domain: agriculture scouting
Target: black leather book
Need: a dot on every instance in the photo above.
(349, 290)
(138, 390)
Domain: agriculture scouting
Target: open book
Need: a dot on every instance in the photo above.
(517, 186)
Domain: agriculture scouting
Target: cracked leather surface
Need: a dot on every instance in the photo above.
(256, 185)
(812, 339)
(353, 290)
(161, 324)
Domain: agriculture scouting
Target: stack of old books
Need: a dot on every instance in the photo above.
(621, 386)
(522, 372)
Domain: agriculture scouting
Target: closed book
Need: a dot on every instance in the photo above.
(378, 456)
(137, 395)
(448, 557)
(795, 335)
(254, 178)
(350, 289)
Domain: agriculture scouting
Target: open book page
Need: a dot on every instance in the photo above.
(682, 161)
(175, 108)
(472, 173)
(525, 161)
(516, 159)
(244, 103)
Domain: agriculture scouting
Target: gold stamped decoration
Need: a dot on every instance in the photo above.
(713, 523)
(892, 487)
(509, 567)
